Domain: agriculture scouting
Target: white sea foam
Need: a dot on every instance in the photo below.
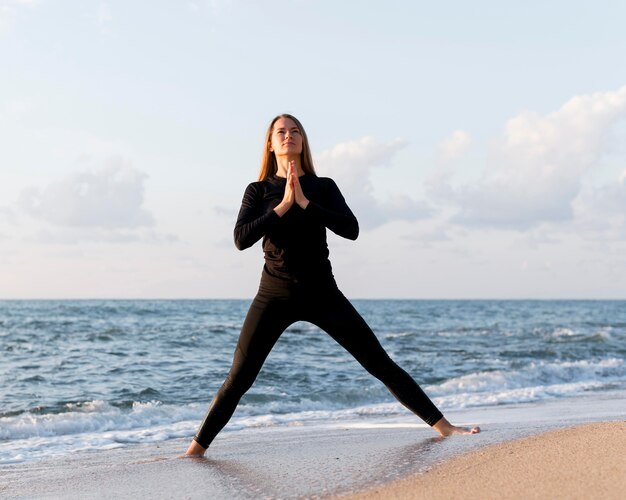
(535, 381)
(97, 425)
(563, 332)
(604, 333)
(569, 334)
(398, 335)
(94, 416)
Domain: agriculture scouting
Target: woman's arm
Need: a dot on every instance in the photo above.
(335, 214)
(252, 223)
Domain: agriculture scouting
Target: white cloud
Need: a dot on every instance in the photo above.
(350, 164)
(212, 6)
(110, 197)
(454, 146)
(19, 107)
(8, 12)
(71, 236)
(537, 169)
(355, 156)
(104, 18)
(4, 13)
(7, 214)
(7, 15)
(14, 111)
(427, 234)
(229, 211)
(601, 211)
(104, 14)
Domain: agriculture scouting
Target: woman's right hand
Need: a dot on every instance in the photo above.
(289, 197)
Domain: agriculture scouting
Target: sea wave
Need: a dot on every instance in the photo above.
(534, 381)
(94, 416)
(99, 425)
(68, 387)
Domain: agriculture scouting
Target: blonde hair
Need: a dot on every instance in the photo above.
(269, 166)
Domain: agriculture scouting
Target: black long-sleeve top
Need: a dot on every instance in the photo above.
(295, 244)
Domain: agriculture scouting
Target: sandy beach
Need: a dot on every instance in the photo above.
(586, 461)
(569, 448)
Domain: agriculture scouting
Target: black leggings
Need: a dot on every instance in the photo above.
(277, 305)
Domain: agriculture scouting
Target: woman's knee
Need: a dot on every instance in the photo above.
(383, 368)
(240, 381)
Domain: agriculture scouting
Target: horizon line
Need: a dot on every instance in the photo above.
(42, 299)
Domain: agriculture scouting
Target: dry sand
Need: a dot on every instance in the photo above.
(587, 461)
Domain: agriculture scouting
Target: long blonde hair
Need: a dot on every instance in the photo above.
(268, 161)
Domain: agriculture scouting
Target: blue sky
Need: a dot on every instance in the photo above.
(482, 145)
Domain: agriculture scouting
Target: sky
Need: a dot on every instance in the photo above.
(481, 145)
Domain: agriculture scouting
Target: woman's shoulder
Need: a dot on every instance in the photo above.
(264, 187)
(326, 182)
(257, 185)
(254, 190)
(319, 179)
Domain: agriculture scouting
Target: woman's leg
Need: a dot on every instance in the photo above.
(267, 319)
(332, 312)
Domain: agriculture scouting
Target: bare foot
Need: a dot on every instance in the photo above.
(195, 450)
(445, 428)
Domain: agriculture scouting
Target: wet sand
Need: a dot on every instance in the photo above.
(587, 461)
(268, 463)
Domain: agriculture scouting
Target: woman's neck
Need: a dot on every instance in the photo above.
(282, 163)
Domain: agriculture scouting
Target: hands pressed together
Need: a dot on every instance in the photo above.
(293, 192)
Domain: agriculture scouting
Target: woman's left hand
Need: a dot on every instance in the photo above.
(300, 199)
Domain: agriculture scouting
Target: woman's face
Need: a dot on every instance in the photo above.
(286, 138)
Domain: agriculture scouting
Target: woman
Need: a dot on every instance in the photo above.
(290, 208)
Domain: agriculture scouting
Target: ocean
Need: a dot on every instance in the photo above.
(103, 374)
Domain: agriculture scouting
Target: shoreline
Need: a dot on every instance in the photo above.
(585, 461)
(339, 459)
